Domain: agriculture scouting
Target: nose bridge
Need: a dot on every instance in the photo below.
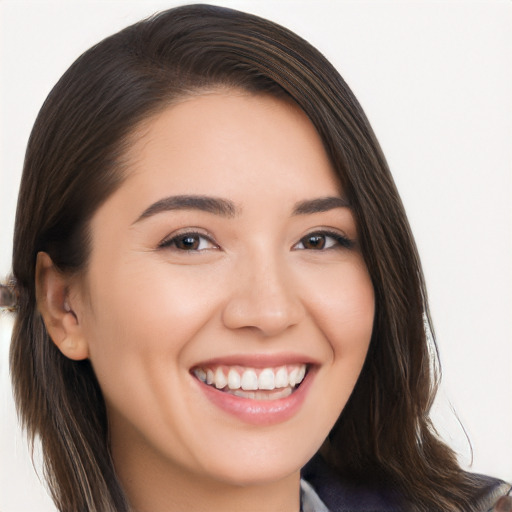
(263, 294)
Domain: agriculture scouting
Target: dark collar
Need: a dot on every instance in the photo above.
(342, 495)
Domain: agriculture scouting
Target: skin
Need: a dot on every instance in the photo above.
(145, 314)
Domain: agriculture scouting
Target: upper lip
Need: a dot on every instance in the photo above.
(258, 360)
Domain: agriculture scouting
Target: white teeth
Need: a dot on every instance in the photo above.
(220, 379)
(292, 377)
(269, 379)
(249, 380)
(281, 379)
(302, 373)
(262, 395)
(266, 379)
(233, 379)
(244, 394)
(200, 374)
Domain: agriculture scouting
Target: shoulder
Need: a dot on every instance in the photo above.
(339, 495)
(488, 490)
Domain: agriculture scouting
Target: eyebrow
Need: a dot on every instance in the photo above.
(226, 208)
(214, 205)
(322, 204)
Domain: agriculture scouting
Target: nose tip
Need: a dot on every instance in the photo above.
(266, 303)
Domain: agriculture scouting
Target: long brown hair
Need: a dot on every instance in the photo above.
(74, 161)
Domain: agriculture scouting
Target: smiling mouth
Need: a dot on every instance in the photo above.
(270, 383)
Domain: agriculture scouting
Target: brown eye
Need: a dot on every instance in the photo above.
(323, 241)
(314, 242)
(189, 242)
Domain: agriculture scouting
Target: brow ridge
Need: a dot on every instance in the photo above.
(321, 204)
(227, 208)
(215, 205)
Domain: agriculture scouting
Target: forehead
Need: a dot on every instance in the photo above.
(228, 138)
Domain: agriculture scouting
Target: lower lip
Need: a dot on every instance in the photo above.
(259, 412)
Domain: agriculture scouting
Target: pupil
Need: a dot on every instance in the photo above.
(189, 242)
(315, 242)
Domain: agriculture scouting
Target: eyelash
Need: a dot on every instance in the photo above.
(340, 241)
(172, 243)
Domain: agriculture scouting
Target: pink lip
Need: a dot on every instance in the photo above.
(259, 412)
(258, 360)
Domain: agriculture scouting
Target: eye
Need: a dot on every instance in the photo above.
(189, 241)
(323, 240)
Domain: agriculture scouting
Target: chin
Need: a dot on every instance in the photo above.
(259, 464)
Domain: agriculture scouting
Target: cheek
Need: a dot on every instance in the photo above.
(141, 323)
(150, 308)
(344, 312)
(138, 330)
(343, 306)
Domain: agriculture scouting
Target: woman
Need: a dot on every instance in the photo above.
(222, 184)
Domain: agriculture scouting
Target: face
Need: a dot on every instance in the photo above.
(226, 306)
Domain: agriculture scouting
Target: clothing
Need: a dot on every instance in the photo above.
(323, 491)
(309, 499)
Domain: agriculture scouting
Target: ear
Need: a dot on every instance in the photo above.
(53, 302)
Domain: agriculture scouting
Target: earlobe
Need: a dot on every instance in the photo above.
(53, 302)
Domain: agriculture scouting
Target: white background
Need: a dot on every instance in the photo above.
(435, 79)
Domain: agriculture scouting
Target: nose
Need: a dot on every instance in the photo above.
(263, 298)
